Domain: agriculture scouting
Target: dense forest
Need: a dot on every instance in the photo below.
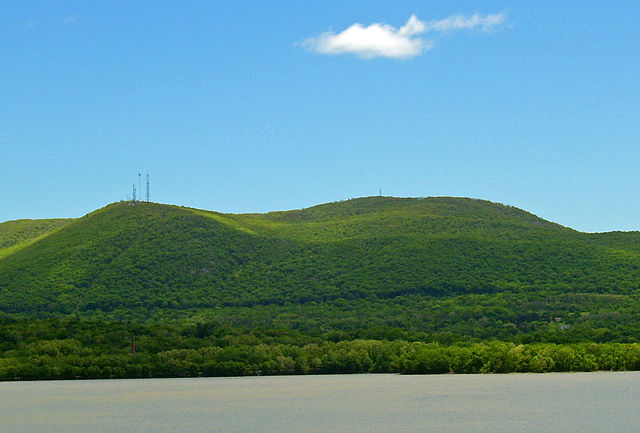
(400, 280)
(52, 349)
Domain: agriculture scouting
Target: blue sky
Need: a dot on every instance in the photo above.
(257, 106)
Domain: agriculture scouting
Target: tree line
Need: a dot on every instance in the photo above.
(50, 349)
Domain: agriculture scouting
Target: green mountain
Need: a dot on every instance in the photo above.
(432, 265)
(17, 234)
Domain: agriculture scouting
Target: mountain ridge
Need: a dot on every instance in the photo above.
(144, 255)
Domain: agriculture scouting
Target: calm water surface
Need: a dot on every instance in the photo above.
(574, 402)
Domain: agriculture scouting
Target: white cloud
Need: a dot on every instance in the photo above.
(383, 40)
(458, 22)
(376, 40)
(413, 27)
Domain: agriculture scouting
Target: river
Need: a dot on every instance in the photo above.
(556, 402)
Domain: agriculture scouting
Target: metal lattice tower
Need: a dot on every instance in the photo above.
(134, 192)
(147, 187)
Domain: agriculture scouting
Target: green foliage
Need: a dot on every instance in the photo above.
(371, 284)
(17, 234)
(152, 256)
(52, 349)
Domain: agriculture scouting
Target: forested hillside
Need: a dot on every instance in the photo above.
(430, 269)
(20, 233)
(370, 284)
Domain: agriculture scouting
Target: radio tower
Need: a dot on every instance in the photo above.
(139, 189)
(147, 186)
(134, 192)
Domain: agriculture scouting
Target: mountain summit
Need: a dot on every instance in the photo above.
(152, 256)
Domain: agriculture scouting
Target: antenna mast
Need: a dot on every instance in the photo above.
(139, 189)
(147, 186)
(134, 192)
